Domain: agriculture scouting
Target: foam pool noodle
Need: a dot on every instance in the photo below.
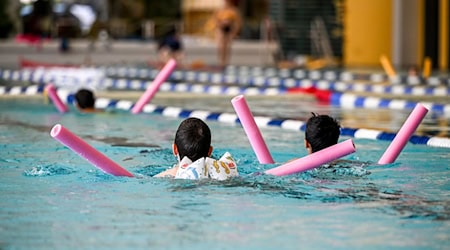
(315, 159)
(154, 87)
(387, 66)
(403, 135)
(251, 129)
(86, 151)
(51, 91)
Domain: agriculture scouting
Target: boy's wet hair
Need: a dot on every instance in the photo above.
(193, 139)
(322, 131)
(85, 98)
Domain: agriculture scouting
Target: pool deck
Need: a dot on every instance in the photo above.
(252, 53)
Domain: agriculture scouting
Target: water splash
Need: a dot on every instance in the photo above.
(48, 170)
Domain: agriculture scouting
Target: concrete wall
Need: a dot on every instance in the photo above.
(407, 33)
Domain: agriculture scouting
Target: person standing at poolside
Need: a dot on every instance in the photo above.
(192, 147)
(227, 22)
(321, 132)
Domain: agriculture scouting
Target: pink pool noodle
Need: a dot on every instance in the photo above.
(51, 91)
(315, 159)
(86, 151)
(252, 130)
(403, 135)
(153, 88)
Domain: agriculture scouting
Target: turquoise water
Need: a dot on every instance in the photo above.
(53, 199)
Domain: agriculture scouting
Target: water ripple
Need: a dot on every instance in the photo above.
(48, 170)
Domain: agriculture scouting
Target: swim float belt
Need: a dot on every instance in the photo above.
(206, 167)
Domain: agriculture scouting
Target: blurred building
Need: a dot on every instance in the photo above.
(354, 32)
(197, 17)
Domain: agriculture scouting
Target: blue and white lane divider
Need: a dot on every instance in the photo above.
(22, 90)
(165, 87)
(265, 79)
(244, 72)
(137, 84)
(377, 88)
(347, 101)
(333, 75)
(245, 75)
(298, 81)
(262, 121)
(103, 103)
(354, 101)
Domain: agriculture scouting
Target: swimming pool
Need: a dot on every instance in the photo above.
(52, 198)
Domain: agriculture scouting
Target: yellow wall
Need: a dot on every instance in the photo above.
(368, 30)
(197, 16)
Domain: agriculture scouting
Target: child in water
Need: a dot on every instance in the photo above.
(321, 132)
(85, 101)
(192, 147)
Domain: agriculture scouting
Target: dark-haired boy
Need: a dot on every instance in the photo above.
(85, 100)
(192, 147)
(321, 132)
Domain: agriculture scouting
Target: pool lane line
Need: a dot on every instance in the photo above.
(263, 121)
(289, 124)
(325, 74)
(244, 72)
(22, 90)
(42, 75)
(139, 84)
(253, 72)
(348, 101)
(219, 78)
(165, 87)
(328, 74)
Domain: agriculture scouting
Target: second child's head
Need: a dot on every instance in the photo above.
(321, 132)
(192, 139)
(85, 99)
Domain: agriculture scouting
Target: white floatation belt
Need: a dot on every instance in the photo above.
(207, 167)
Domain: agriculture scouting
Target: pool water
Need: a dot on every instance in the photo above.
(53, 199)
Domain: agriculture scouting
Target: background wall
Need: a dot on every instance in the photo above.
(367, 32)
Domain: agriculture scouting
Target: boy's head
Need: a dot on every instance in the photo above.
(193, 139)
(321, 132)
(85, 99)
